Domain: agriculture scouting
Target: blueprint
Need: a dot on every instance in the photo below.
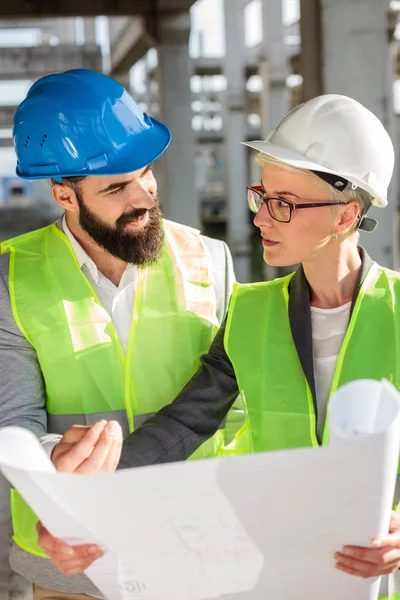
(261, 526)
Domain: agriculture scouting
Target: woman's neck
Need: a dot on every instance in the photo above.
(333, 277)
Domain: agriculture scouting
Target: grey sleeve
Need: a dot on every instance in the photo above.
(22, 401)
(178, 429)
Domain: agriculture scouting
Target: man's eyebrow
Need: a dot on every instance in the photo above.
(282, 193)
(122, 184)
(148, 168)
(114, 186)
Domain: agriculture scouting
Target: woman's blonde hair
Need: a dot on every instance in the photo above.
(336, 195)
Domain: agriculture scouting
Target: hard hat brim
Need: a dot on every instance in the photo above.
(139, 151)
(295, 159)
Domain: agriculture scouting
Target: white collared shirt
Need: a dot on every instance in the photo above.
(118, 301)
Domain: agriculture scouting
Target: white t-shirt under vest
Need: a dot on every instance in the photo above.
(329, 327)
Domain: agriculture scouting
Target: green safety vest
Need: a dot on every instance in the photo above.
(276, 397)
(86, 374)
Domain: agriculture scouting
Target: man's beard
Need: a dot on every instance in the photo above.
(142, 247)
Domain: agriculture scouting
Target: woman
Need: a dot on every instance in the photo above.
(289, 343)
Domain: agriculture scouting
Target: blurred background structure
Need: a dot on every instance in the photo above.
(217, 72)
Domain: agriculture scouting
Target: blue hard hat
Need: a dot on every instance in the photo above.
(83, 123)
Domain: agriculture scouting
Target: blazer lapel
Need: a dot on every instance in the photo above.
(300, 324)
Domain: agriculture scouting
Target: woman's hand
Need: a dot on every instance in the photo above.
(381, 559)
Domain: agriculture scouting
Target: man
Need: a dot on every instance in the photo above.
(105, 314)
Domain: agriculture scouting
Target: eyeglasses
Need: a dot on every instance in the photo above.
(280, 210)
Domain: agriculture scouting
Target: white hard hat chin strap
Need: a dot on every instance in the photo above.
(342, 184)
(368, 224)
(336, 181)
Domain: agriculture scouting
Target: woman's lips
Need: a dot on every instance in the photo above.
(269, 243)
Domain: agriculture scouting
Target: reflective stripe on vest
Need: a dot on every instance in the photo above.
(85, 372)
(277, 400)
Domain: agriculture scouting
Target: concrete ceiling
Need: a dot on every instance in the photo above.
(90, 8)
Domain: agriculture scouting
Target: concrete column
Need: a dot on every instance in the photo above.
(176, 172)
(89, 29)
(358, 62)
(311, 47)
(273, 67)
(148, 95)
(235, 130)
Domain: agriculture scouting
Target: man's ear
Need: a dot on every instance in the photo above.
(65, 197)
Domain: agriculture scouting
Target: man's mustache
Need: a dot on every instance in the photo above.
(136, 213)
(133, 215)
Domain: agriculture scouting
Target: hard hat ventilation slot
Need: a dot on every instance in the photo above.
(43, 140)
(27, 141)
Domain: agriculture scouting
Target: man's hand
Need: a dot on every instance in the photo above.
(89, 450)
(381, 559)
(70, 560)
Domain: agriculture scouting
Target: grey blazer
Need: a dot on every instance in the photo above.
(22, 401)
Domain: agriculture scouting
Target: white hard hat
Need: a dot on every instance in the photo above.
(336, 135)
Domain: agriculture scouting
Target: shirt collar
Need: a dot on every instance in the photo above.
(82, 256)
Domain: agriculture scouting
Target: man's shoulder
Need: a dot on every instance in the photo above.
(216, 247)
(212, 243)
(8, 326)
(13, 242)
(221, 259)
(223, 273)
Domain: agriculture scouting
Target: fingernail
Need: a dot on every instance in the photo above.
(112, 428)
(95, 550)
(99, 426)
